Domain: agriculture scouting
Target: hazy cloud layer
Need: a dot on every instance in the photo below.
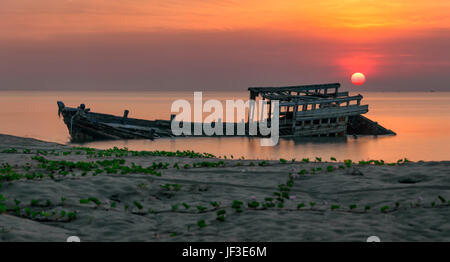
(222, 44)
(220, 61)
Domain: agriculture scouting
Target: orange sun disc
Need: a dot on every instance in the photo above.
(358, 79)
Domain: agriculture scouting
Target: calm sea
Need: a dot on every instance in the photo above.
(421, 121)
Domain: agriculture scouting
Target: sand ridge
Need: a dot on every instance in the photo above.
(210, 199)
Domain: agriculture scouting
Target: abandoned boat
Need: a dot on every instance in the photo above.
(307, 110)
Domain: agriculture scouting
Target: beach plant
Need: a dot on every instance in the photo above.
(95, 200)
(186, 206)
(305, 160)
(443, 200)
(201, 223)
(333, 159)
(379, 162)
(263, 163)
(302, 172)
(283, 161)
(221, 218)
(348, 163)
(384, 209)
(84, 201)
(72, 215)
(215, 204)
(334, 207)
(10, 151)
(237, 204)
(353, 207)
(172, 187)
(142, 186)
(221, 212)
(120, 152)
(42, 152)
(138, 205)
(300, 206)
(174, 208)
(221, 215)
(201, 208)
(330, 168)
(253, 204)
(3, 208)
(26, 151)
(318, 159)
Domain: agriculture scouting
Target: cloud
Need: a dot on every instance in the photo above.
(225, 60)
(45, 18)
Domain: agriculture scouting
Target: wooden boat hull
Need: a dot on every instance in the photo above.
(85, 126)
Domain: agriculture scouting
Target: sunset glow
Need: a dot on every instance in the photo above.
(84, 16)
(187, 43)
(358, 79)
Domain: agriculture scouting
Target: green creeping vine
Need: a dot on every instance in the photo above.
(122, 152)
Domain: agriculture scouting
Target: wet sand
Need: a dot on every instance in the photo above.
(407, 201)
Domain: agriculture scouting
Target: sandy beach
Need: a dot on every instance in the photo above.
(51, 191)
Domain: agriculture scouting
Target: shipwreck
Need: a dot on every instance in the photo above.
(305, 110)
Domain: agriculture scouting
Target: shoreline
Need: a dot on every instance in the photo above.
(55, 191)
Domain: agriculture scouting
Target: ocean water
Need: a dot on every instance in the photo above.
(420, 119)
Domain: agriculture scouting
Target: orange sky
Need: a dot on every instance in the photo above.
(327, 17)
(369, 34)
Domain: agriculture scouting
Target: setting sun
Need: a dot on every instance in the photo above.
(358, 79)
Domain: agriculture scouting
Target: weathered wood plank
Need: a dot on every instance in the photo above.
(332, 112)
(299, 88)
(323, 101)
